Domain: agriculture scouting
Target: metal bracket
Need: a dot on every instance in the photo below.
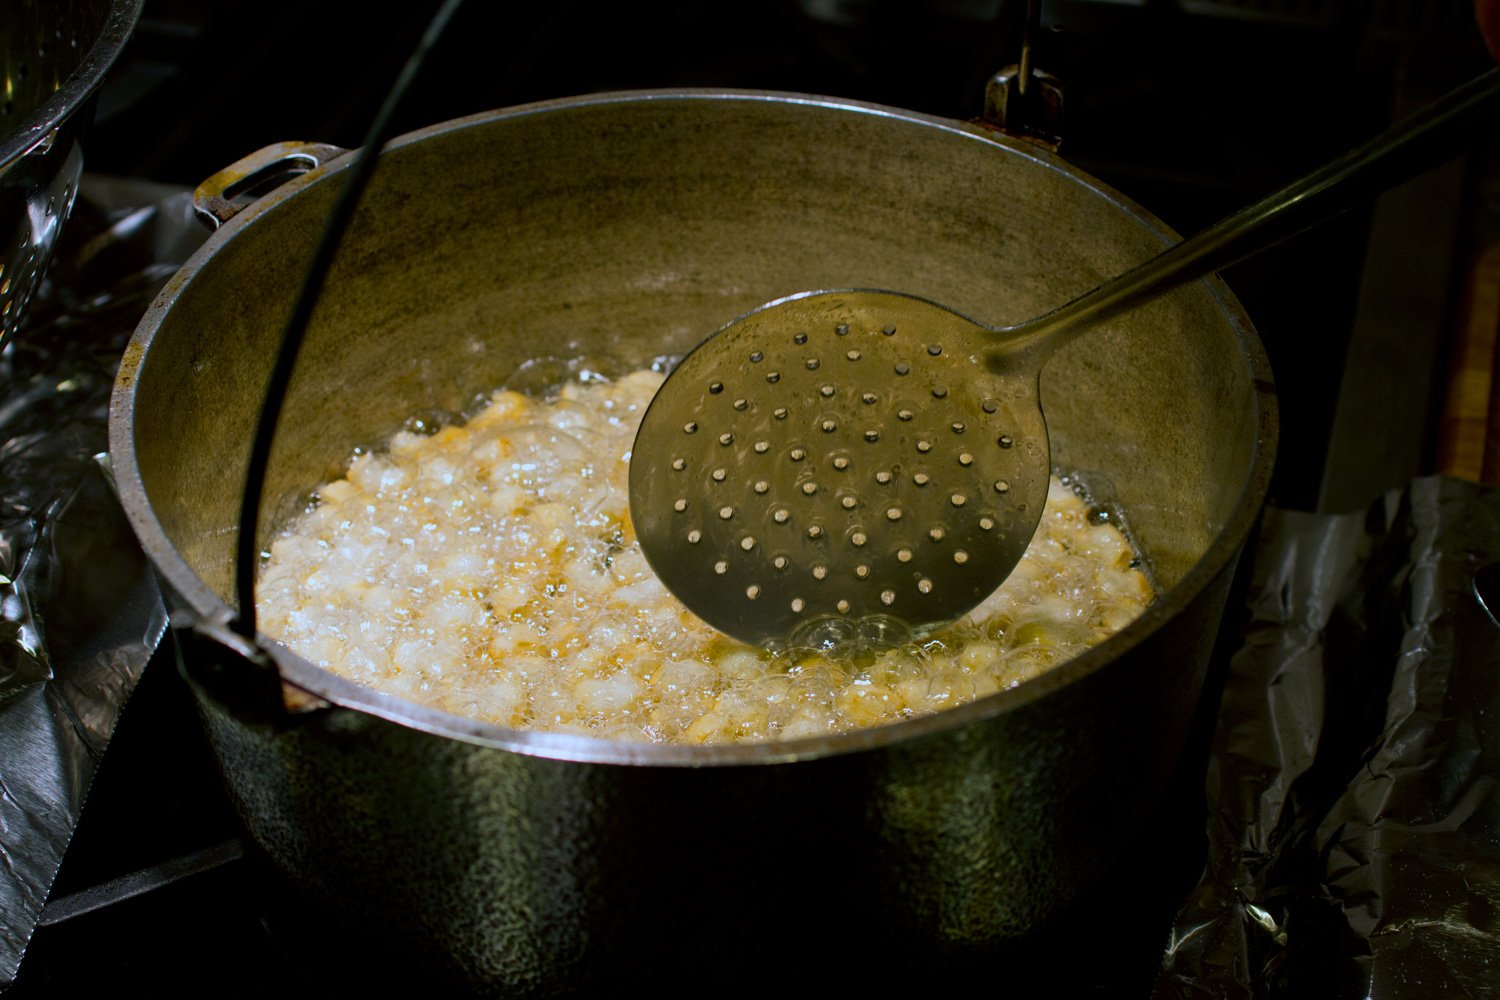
(236, 673)
(228, 192)
(1027, 104)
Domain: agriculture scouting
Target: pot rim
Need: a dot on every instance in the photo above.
(346, 694)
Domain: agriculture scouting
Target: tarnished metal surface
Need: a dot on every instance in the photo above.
(630, 226)
(224, 195)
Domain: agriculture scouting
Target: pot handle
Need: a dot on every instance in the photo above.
(237, 674)
(1033, 114)
(237, 186)
(1021, 100)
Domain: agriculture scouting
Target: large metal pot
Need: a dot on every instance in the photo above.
(632, 225)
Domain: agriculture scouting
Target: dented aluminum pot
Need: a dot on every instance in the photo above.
(632, 225)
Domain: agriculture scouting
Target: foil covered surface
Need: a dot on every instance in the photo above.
(1354, 826)
(80, 612)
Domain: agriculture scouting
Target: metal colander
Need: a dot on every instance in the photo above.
(53, 56)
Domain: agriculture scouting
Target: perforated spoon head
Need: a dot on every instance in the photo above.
(840, 466)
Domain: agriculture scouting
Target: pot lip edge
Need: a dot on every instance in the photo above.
(347, 695)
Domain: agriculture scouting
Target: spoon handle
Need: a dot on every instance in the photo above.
(1408, 148)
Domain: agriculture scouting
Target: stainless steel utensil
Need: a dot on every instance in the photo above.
(865, 465)
(54, 56)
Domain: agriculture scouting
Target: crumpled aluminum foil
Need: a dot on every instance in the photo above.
(80, 612)
(1354, 825)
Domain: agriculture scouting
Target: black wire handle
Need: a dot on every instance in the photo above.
(247, 557)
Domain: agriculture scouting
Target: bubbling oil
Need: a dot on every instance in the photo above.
(489, 569)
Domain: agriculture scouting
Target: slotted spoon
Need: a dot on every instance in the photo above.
(863, 465)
